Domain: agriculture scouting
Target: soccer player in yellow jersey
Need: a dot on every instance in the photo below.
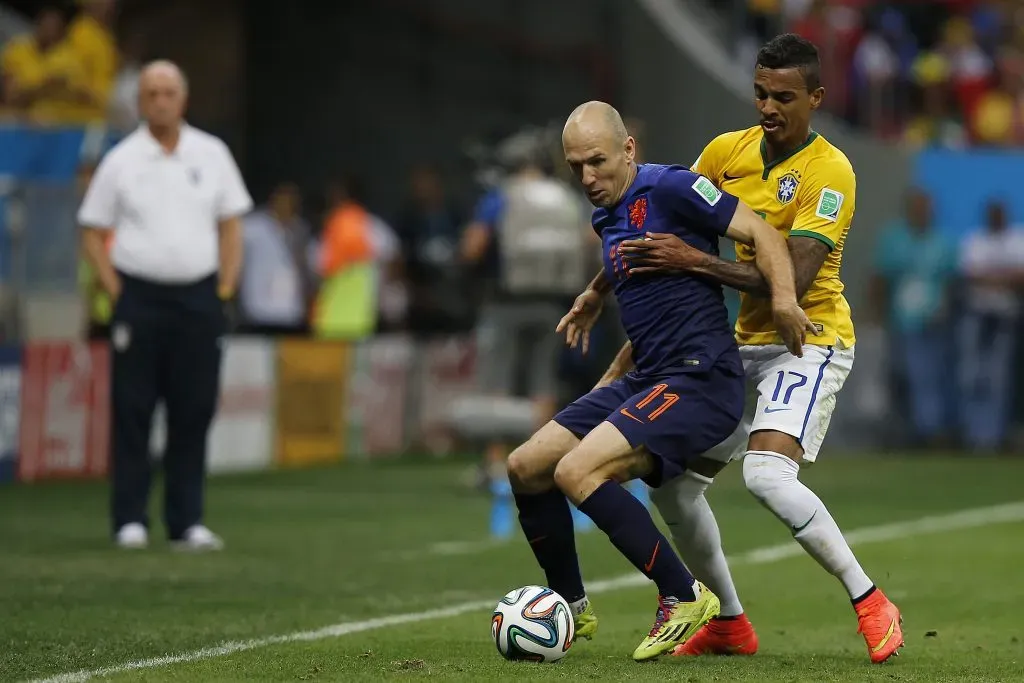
(805, 187)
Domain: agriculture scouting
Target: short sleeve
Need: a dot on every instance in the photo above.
(826, 202)
(99, 206)
(233, 199)
(695, 201)
(489, 209)
(709, 163)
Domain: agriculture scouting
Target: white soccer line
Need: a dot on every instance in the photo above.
(965, 519)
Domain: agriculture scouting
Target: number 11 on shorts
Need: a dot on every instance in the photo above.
(650, 402)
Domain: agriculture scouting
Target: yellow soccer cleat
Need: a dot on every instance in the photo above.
(676, 621)
(586, 623)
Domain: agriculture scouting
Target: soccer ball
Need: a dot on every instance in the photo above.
(533, 624)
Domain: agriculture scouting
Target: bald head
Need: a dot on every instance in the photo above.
(600, 152)
(163, 71)
(598, 117)
(163, 92)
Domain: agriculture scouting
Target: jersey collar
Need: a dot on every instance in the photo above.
(768, 166)
(153, 145)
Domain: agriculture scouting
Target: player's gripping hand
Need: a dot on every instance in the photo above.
(580, 319)
(793, 325)
(660, 253)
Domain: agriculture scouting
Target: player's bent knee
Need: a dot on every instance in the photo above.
(527, 468)
(531, 466)
(570, 473)
(764, 473)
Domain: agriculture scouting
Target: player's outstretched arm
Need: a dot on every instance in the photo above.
(771, 256)
(773, 261)
(664, 253)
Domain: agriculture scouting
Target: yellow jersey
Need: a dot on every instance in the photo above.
(811, 192)
(95, 49)
(29, 67)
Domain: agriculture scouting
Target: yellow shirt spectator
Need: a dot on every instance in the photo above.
(96, 51)
(41, 81)
(995, 119)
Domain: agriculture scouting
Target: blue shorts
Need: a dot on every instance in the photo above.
(675, 417)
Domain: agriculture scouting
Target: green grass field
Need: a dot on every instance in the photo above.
(347, 545)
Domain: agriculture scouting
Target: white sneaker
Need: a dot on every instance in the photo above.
(198, 539)
(132, 536)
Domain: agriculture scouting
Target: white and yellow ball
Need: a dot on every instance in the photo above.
(533, 623)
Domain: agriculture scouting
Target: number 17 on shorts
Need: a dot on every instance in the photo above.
(796, 396)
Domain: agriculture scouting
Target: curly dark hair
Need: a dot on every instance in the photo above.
(790, 51)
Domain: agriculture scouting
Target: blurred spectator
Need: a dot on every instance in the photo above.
(124, 98)
(998, 119)
(993, 265)
(540, 231)
(915, 266)
(933, 121)
(871, 49)
(429, 228)
(877, 72)
(836, 30)
(40, 72)
(389, 276)
(970, 68)
(765, 18)
(359, 266)
(276, 279)
(91, 39)
(989, 20)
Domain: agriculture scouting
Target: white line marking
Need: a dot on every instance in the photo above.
(965, 519)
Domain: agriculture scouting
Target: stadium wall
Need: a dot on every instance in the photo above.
(283, 403)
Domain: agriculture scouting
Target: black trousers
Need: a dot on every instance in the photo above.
(166, 344)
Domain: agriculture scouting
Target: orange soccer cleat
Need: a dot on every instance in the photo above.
(731, 636)
(881, 626)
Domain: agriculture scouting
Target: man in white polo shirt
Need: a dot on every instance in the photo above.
(174, 198)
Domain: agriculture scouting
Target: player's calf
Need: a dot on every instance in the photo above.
(544, 513)
(590, 476)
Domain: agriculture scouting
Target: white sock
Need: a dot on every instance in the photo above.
(578, 606)
(695, 532)
(772, 478)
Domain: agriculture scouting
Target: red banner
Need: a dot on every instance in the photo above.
(65, 411)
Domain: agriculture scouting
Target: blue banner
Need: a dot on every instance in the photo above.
(962, 183)
(10, 410)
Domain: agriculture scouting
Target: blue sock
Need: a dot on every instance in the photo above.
(546, 520)
(628, 524)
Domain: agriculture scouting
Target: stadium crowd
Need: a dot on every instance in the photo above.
(70, 70)
(326, 262)
(946, 72)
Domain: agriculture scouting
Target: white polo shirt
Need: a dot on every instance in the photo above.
(164, 207)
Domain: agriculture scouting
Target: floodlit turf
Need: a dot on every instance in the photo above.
(311, 549)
